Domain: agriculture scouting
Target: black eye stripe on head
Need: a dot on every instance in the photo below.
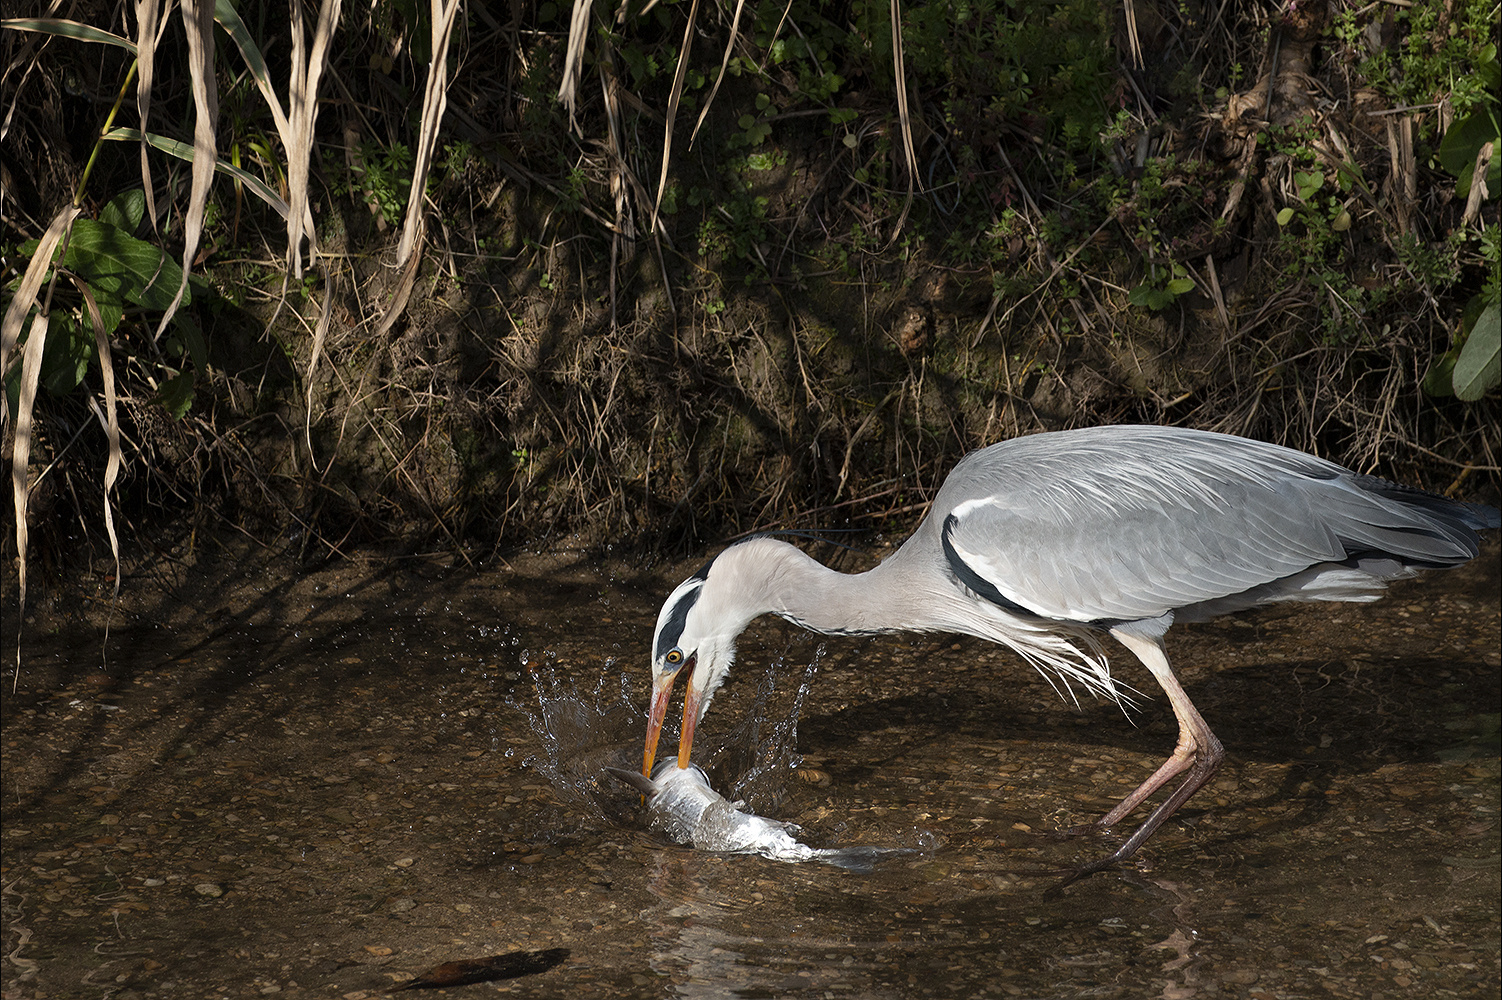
(672, 629)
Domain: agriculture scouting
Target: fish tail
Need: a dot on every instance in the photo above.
(636, 781)
(861, 860)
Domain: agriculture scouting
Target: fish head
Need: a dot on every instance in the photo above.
(667, 777)
(668, 774)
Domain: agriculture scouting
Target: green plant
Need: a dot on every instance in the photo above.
(754, 131)
(1438, 51)
(1162, 287)
(1467, 135)
(378, 176)
(1044, 65)
(1473, 365)
(109, 271)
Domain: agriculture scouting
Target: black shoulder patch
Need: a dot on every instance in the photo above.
(672, 629)
(987, 590)
(977, 583)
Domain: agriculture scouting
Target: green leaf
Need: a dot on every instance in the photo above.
(1458, 149)
(1284, 216)
(184, 151)
(1179, 286)
(176, 394)
(1487, 68)
(67, 354)
(1479, 367)
(111, 260)
(1440, 380)
(68, 29)
(229, 20)
(125, 210)
(186, 333)
(1150, 297)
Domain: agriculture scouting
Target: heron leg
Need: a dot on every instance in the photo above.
(1198, 752)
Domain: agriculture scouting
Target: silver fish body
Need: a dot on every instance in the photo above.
(682, 806)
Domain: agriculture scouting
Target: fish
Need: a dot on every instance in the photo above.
(682, 805)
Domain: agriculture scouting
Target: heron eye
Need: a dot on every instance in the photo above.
(674, 657)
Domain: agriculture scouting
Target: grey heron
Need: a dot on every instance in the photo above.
(1049, 542)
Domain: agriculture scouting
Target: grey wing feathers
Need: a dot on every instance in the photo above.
(1125, 523)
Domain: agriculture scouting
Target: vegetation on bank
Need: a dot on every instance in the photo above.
(736, 277)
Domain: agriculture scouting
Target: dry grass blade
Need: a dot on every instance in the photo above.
(109, 419)
(31, 374)
(148, 33)
(1132, 39)
(31, 371)
(296, 140)
(399, 300)
(320, 334)
(1402, 180)
(735, 25)
(302, 106)
(434, 103)
(674, 96)
(573, 59)
(198, 24)
(1479, 191)
(609, 91)
(899, 68)
(26, 293)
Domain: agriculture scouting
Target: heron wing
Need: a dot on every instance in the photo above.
(1127, 523)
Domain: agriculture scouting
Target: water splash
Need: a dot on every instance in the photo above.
(582, 734)
(756, 758)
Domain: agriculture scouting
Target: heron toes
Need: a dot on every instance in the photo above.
(1087, 869)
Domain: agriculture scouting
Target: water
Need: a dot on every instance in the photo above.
(585, 738)
(581, 735)
(314, 785)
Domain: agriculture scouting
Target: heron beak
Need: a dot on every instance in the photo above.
(691, 701)
(662, 691)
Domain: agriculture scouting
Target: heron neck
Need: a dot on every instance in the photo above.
(807, 592)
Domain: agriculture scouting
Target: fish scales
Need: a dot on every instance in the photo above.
(683, 806)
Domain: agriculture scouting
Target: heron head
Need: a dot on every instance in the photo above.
(695, 636)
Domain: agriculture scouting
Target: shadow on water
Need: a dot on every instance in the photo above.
(316, 784)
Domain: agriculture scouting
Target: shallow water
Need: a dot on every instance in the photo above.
(314, 784)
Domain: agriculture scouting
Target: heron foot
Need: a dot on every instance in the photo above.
(1085, 870)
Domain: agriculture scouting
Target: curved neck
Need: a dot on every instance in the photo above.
(777, 578)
